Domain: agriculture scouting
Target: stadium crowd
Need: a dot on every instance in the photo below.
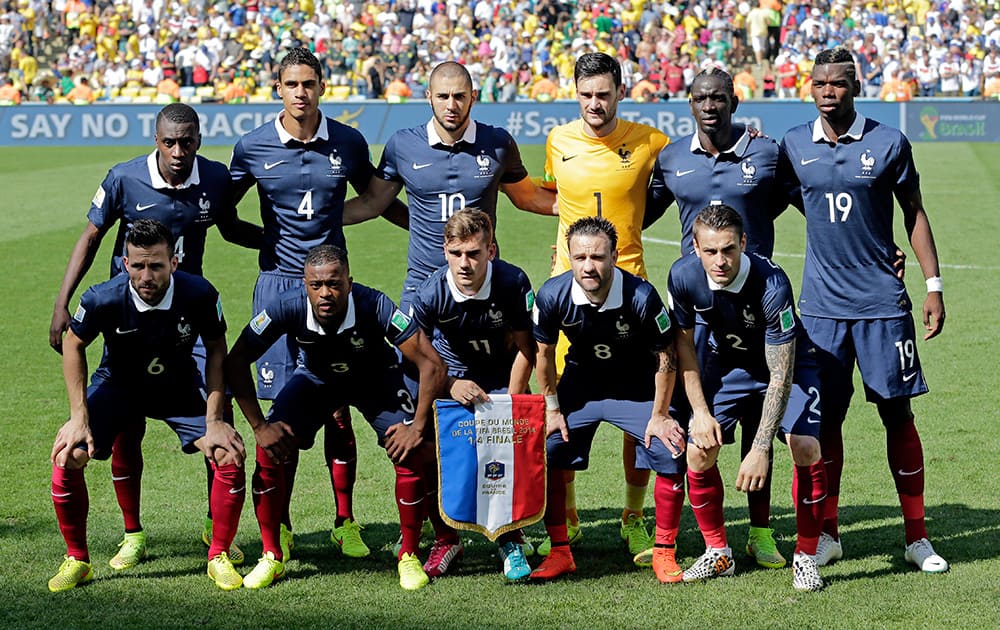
(226, 51)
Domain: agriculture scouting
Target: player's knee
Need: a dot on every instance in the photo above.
(701, 459)
(895, 412)
(74, 459)
(805, 449)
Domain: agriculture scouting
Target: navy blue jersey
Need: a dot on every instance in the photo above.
(301, 187)
(149, 347)
(472, 333)
(745, 178)
(440, 180)
(611, 351)
(756, 309)
(135, 190)
(357, 351)
(847, 195)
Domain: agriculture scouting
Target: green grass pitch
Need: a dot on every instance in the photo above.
(46, 192)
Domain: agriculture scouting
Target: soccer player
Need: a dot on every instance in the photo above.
(723, 163)
(854, 306)
(760, 371)
(601, 166)
(450, 163)
(620, 369)
(477, 312)
(150, 318)
(301, 164)
(347, 333)
(188, 193)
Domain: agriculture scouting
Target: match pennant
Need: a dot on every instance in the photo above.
(491, 463)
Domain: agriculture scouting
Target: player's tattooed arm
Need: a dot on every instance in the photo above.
(781, 363)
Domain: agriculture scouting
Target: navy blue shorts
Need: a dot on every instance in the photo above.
(884, 349)
(276, 365)
(306, 403)
(115, 409)
(739, 398)
(629, 416)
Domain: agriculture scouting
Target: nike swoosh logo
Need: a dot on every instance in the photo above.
(417, 167)
(268, 167)
(683, 173)
(404, 502)
(567, 158)
(140, 208)
(237, 490)
(125, 332)
(679, 486)
(702, 310)
(908, 377)
(65, 494)
(572, 323)
(264, 491)
(813, 501)
(113, 478)
(805, 162)
(909, 474)
(698, 507)
(450, 319)
(811, 421)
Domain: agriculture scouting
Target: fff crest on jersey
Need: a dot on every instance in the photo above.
(184, 330)
(357, 343)
(748, 318)
(494, 470)
(625, 156)
(749, 172)
(335, 162)
(867, 163)
(496, 317)
(623, 328)
(266, 375)
(485, 166)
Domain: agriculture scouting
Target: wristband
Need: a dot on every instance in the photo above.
(551, 402)
(935, 284)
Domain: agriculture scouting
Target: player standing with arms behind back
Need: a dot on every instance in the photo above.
(602, 166)
(854, 306)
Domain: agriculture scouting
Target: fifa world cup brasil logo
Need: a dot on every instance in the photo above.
(929, 119)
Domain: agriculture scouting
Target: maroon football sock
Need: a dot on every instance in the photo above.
(555, 507)
(832, 444)
(906, 459)
(341, 452)
(228, 494)
(410, 500)
(269, 501)
(291, 467)
(126, 473)
(809, 493)
(71, 501)
(706, 492)
(668, 494)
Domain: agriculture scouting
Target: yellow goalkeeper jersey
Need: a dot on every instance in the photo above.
(604, 177)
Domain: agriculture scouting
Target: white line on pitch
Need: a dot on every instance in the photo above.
(661, 241)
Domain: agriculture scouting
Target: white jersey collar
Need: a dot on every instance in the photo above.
(143, 306)
(613, 301)
(322, 133)
(737, 149)
(316, 327)
(160, 184)
(468, 136)
(482, 294)
(854, 133)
